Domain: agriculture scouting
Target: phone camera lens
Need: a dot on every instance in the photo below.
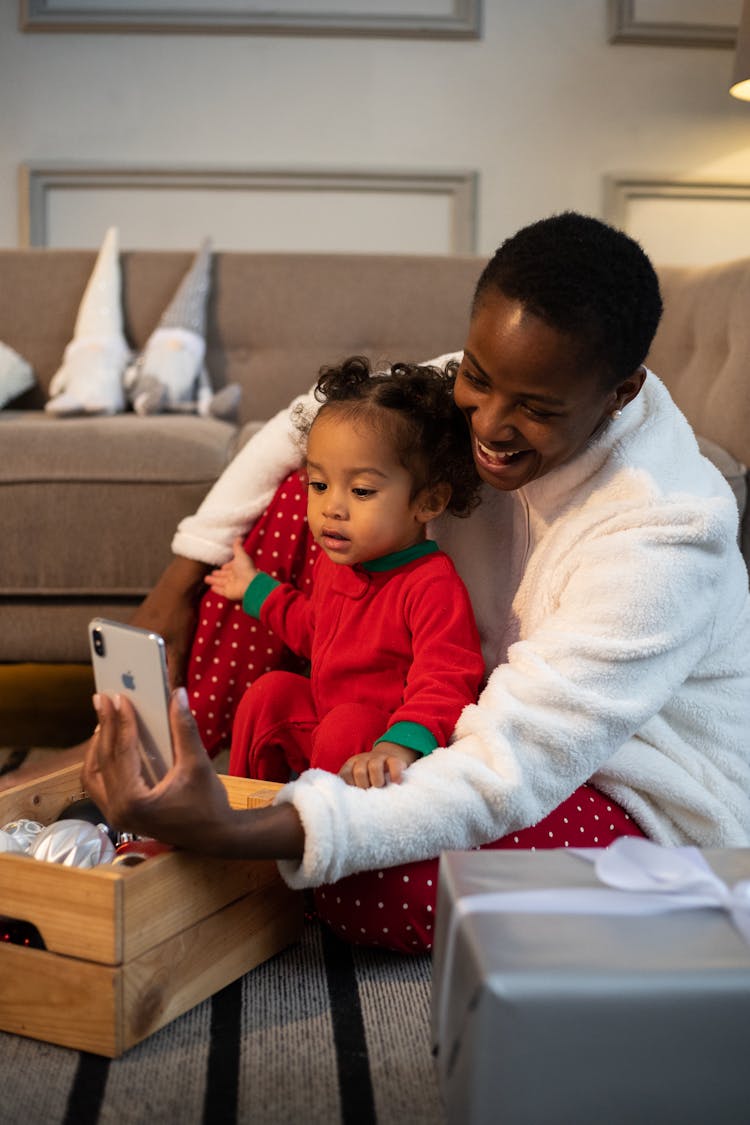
(98, 642)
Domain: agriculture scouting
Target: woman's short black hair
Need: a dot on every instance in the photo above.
(412, 406)
(584, 278)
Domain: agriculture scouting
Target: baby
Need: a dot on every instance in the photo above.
(388, 628)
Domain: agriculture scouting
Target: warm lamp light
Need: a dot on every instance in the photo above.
(740, 87)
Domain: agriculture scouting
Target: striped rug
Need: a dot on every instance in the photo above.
(322, 1033)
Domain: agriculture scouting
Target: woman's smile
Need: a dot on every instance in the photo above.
(497, 460)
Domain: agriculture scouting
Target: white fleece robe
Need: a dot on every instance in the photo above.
(613, 606)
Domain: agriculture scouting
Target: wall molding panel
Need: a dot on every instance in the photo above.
(362, 210)
(679, 221)
(438, 19)
(663, 23)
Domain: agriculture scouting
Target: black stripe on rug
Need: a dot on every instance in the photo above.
(223, 1069)
(87, 1092)
(355, 1081)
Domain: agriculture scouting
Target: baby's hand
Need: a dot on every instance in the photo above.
(386, 760)
(233, 578)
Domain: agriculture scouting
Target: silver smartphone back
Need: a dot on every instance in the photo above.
(132, 662)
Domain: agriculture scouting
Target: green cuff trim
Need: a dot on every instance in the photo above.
(413, 735)
(257, 592)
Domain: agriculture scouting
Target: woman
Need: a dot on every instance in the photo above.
(610, 595)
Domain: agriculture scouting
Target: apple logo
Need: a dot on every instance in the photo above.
(128, 680)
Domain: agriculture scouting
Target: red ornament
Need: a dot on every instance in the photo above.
(133, 852)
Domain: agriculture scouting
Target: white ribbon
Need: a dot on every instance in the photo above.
(642, 878)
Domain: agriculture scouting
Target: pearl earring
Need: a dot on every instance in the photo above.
(617, 413)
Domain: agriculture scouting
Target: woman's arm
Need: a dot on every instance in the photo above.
(244, 489)
(603, 684)
(189, 806)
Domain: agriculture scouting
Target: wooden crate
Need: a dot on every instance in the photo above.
(130, 948)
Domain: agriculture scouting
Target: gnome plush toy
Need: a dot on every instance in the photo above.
(90, 379)
(170, 375)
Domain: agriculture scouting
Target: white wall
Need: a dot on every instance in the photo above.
(542, 107)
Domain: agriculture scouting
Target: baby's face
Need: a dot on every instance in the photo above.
(359, 504)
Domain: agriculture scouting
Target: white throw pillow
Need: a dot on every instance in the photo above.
(16, 375)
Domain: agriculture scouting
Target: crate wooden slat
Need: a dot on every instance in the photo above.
(180, 889)
(129, 949)
(185, 969)
(242, 796)
(49, 896)
(43, 798)
(73, 1003)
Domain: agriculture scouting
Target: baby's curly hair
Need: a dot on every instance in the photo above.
(412, 406)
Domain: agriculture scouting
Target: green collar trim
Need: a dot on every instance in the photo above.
(400, 558)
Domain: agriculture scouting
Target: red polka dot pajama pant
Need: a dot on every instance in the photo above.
(393, 908)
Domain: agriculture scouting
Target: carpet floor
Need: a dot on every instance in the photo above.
(322, 1033)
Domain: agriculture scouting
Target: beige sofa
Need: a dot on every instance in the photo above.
(88, 506)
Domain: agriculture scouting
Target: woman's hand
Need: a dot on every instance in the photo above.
(233, 578)
(188, 807)
(386, 760)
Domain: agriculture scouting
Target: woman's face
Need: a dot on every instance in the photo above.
(529, 404)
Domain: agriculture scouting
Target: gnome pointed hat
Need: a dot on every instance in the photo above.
(187, 309)
(100, 311)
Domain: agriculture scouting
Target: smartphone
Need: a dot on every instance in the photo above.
(132, 662)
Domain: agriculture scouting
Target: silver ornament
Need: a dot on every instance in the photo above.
(9, 844)
(74, 843)
(23, 831)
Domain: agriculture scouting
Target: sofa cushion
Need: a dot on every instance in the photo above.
(77, 495)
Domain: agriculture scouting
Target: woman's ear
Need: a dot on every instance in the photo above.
(629, 388)
(432, 501)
